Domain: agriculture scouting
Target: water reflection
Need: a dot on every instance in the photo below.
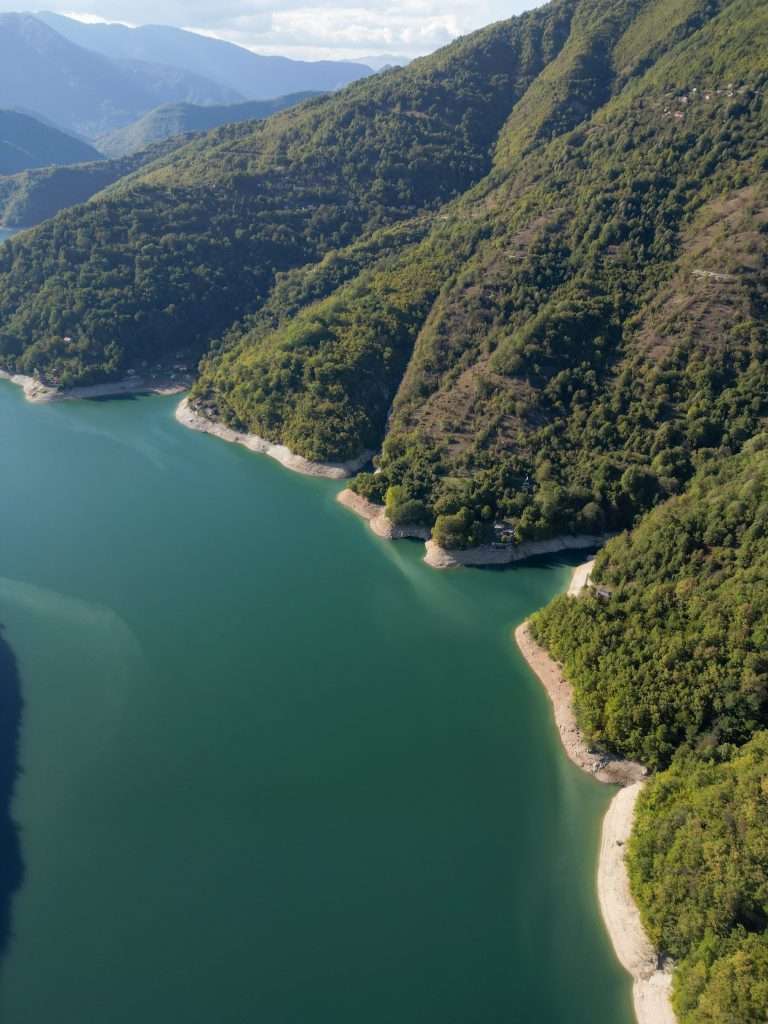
(11, 867)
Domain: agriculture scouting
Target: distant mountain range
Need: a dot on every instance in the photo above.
(94, 79)
(83, 91)
(251, 75)
(181, 118)
(26, 142)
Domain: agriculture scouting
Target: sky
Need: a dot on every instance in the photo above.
(307, 29)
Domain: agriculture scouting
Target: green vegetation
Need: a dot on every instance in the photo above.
(677, 656)
(699, 867)
(183, 118)
(672, 668)
(180, 254)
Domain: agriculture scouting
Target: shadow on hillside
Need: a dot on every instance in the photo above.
(558, 559)
(11, 866)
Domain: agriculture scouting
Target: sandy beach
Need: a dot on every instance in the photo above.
(581, 577)
(652, 984)
(377, 518)
(651, 981)
(195, 420)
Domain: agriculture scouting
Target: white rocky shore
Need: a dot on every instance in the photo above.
(652, 981)
(35, 391)
(508, 554)
(195, 420)
(441, 558)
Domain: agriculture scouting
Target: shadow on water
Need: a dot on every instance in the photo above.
(11, 866)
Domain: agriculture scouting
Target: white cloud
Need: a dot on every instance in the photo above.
(94, 19)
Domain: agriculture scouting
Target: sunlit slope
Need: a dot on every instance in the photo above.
(588, 317)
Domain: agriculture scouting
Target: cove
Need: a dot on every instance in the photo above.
(273, 768)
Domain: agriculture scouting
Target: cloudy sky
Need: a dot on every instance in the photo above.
(308, 28)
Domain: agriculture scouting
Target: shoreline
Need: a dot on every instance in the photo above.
(376, 517)
(37, 392)
(189, 417)
(651, 981)
(508, 554)
(441, 558)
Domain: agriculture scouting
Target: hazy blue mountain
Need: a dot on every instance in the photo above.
(180, 118)
(26, 142)
(84, 91)
(253, 75)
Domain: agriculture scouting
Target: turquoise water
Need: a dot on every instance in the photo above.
(273, 769)
(6, 233)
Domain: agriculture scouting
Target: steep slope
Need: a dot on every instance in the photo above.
(83, 91)
(175, 256)
(254, 76)
(33, 196)
(672, 666)
(182, 118)
(609, 321)
(26, 142)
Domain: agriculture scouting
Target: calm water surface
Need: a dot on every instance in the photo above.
(273, 769)
(6, 233)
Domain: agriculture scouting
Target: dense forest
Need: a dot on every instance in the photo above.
(672, 668)
(186, 118)
(29, 198)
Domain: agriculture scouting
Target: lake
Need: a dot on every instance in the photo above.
(272, 768)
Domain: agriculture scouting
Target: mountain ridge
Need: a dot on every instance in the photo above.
(83, 91)
(253, 76)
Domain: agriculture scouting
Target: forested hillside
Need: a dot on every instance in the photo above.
(31, 197)
(182, 118)
(673, 667)
(581, 312)
(176, 256)
(36, 195)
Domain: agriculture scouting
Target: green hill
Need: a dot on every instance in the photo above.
(26, 142)
(183, 118)
(674, 667)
